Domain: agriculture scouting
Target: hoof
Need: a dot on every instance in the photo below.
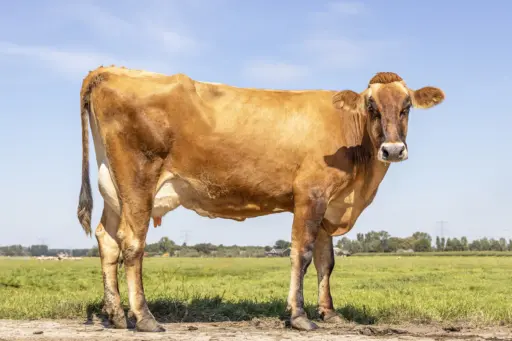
(302, 323)
(117, 318)
(120, 321)
(332, 317)
(149, 325)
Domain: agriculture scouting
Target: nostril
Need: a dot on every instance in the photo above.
(385, 153)
(402, 150)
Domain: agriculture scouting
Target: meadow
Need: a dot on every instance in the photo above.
(365, 289)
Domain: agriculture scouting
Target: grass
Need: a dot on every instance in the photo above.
(366, 290)
(438, 254)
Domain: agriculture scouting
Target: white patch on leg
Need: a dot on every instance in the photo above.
(106, 185)
(107, 189)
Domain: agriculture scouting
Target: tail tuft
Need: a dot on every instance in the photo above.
(84, 211)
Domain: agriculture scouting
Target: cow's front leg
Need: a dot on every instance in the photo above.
(309, 210)
(323, 257)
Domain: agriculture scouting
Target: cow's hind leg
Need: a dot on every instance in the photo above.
(136, 179)
(323, 257)
(132, 233)
(108, 246)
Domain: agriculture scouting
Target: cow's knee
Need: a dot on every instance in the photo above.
(132, 250)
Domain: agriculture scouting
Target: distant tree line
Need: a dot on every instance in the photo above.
(373, 241)
(164, 247)
(167, 247)
(40, 250)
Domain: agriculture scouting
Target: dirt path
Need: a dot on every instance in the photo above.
(260, 330)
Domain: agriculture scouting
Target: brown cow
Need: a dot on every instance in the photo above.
(222, 151)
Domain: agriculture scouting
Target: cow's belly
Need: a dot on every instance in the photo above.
(172, 192)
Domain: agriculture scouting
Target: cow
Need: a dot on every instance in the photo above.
(164, 141)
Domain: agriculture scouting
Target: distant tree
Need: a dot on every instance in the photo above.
(38, 250)
(93, 252)
(448, 246)
(394, 244)
(503, 244)
(268, 248)
(457, 245)
(422, 242)
(495, 245)
(485, 244)
(79, 252)
(422, 245)
(166, 245)
(360, 238)
(282, 244)
(205, 248)
(189, 252)
(464, 242)
(344, 243)
(355, 247)
(14, 250)
(422, 235)
(439, 246)
(153, 248)
(374, 241)
(475, 245)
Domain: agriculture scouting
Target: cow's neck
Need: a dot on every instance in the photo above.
(371, 172)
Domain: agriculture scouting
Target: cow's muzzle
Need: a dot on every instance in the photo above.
(392, 152)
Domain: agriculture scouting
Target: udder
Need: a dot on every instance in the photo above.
(166, 199)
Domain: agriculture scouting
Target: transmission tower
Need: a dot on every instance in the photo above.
(441, 226)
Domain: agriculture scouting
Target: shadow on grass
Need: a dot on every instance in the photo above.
(215, 309)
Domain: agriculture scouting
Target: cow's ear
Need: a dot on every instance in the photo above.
(347, 100)
(427, 97)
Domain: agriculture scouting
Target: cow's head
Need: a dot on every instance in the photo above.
(386, 104)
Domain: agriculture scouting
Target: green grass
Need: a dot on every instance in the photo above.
(365, 289)
(438, 254)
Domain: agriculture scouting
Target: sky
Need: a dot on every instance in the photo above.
(458, 151)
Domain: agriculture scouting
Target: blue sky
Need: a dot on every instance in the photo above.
(458, 152)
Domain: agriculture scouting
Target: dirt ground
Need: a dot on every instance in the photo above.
(274, 330)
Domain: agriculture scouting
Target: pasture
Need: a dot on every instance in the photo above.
(366, 290)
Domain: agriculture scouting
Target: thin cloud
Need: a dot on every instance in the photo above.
(322, 48)
(71, 63)
(172, 41)
(346, 7)
(139, 39)
(97, 19)
(336, 52)
(274, 73)
(147, 28)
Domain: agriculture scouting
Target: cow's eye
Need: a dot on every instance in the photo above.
(372, 109)
(404, 112)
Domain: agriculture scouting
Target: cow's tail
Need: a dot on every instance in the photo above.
(85, 201)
